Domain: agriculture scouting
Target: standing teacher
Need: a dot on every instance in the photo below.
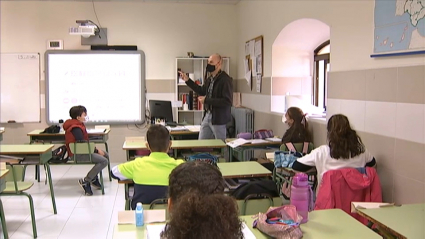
(217, 95)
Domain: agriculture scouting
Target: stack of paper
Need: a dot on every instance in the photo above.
(237, 142)
(257, 141)
(274, 139)
(95, 131)
(193, 128)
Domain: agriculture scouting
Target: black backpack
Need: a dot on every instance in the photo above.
(59, 155)
(258, 189)
(53, 129)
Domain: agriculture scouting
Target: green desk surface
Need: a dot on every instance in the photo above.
(3, 172)
(38, 133)
(243, 169)
(406, 221)
(178, 144)
(323, 224)
(327, 224)
(16, 149)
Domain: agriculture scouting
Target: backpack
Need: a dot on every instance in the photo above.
(285, 159)
(53, 129)
(259, 188)
(59, 155)
(263, 134)
(206, 157)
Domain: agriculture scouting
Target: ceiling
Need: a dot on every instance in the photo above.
(233, 2)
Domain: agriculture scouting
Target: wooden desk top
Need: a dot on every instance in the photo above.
(178, 144)
(406, 221)
(322, 224)
(25, 148)
(3, 172)
(249, 169)
(37, 132)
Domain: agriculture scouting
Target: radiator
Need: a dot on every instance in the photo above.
(244, 122)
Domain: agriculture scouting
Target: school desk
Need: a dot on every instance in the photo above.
(242, 148)
(228, 170)
(95, 137)
(2, 217)
(130, 146)
(249, 169)
(405, 221)
(322, 224)
(33, 154)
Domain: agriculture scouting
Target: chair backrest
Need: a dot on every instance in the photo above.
(251, 206)
(298, 147)
(16, 171)
(82, 148)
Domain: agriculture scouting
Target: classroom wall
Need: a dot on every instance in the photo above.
(384, 98)
(163, 31)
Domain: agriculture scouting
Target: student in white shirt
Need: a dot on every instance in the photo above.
(345, 149)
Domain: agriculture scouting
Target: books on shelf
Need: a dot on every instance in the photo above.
(191, 99)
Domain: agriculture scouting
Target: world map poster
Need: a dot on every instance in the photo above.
(399, 27)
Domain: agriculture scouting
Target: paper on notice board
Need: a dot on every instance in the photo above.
(259, 64)
(254, 66)
(247, 71)
(258, 81)
(247, 48)
(252, 48)
(257, 48)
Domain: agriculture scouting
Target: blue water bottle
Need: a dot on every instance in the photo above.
(139, 215)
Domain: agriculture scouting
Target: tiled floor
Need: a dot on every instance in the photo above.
(78, 216)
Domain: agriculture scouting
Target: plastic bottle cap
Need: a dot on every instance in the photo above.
(139, 206)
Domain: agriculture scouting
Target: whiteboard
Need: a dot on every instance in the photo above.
(110, 84)
(20, 87)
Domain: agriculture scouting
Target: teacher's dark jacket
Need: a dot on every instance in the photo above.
(222, 97)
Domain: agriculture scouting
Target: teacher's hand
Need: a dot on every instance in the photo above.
(184, 76)
(201, 99)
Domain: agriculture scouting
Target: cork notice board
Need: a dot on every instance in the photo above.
(254, 61)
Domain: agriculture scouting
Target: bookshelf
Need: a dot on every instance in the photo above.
(196, 69)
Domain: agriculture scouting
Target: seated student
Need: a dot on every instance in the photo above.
(150, 173)
(345, 149)
(298, 131)
(197, 204)
(75, 131)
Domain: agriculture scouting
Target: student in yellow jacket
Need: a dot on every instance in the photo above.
(150, 173)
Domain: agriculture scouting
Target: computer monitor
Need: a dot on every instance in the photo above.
(161, 109)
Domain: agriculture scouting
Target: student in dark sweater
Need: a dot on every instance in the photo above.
(75, 131)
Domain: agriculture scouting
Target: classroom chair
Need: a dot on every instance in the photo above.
(86, 148)
(282, 176)
(15, 186)
(254, 204)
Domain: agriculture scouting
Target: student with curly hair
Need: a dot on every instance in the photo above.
(197, 205)
(345, 149)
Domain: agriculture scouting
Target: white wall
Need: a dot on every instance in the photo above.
(351, 25)
(162, 31)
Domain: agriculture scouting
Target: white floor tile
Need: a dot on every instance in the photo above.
(79, 216)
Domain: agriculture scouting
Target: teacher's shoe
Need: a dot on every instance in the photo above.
(86, 187)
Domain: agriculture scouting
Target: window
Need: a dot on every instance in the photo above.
(322, 61)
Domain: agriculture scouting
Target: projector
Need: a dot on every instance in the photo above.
(85, 29)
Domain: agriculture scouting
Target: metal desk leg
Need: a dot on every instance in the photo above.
(175, 153)
(52, 193)
(37, 172)
(109, 162)
(126, 197)
(127, 154)
(3, 222)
